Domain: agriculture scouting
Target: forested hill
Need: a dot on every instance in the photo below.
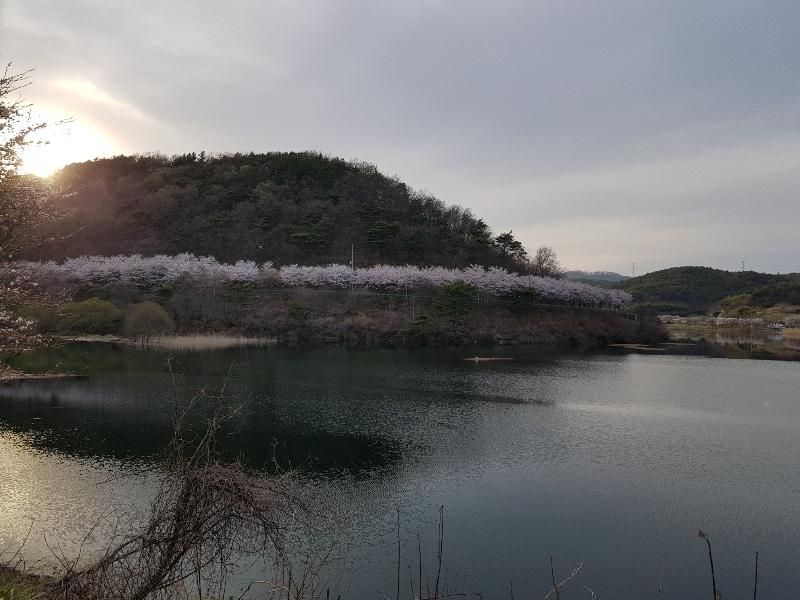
(698, 289)
(285, 207)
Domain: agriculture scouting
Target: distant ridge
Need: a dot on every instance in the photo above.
(685, 290)
(595, 277)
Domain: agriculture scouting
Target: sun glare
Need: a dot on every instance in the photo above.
(62, 144)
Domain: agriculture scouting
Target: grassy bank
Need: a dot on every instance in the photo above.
(235, 314)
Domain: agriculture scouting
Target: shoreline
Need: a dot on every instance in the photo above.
(13, 376)
(541, 328)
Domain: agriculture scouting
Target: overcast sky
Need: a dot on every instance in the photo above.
(661, 133)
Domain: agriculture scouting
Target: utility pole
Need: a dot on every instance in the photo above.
(633, 269)
(352, 257)
(742, 265)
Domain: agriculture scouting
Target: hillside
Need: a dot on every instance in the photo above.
(684, 290)
(284, 207)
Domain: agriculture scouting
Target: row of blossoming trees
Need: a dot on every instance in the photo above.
(161, 269)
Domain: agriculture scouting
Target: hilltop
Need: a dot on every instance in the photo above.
(686, 290)
(285, 207)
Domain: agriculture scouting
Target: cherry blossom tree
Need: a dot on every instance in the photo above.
(161, 269)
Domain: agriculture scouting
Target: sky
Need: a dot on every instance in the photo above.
(658, 133)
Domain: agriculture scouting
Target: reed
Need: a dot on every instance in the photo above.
(200, 342)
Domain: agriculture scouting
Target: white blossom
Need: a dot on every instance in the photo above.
(161, 269)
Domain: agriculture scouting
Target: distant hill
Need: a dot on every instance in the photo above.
(293, 207)
(600, 278)
(685, 290)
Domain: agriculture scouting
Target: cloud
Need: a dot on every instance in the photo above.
(667, 118)
(89, 92)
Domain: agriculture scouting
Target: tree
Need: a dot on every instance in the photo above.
(455, 301)
(16, 126)
(153, 271)
(148, 319)
(29, 205)
(510, 247)
(28, 212)
(545, 263)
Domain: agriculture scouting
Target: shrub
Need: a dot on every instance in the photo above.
(90, 316)
(455, 300)
(148, 319)
(742, 312)
(735, 300)
(298, 312)
(46, 317)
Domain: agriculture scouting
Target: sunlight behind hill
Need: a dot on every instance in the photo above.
(64, 142)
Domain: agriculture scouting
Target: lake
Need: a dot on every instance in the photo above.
(612, 459)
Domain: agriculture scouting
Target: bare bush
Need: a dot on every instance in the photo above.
(207, 518)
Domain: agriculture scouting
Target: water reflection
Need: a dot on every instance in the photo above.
(326, 410)
(614, 459)
(260, 437)
(737, 343)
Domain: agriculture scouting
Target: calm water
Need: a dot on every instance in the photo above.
(613, 459)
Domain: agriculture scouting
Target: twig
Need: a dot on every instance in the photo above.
(397, 597)
(553, 577)
(755, 579)
(563, 582)
(419, 553)
(441, 544)
(704, 536)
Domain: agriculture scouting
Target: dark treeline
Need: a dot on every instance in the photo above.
(285, 207)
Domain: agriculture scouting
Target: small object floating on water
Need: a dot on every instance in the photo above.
(487, 358)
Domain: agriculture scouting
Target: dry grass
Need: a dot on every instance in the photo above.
(18, 585)
(201, 342)
(91, 337)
